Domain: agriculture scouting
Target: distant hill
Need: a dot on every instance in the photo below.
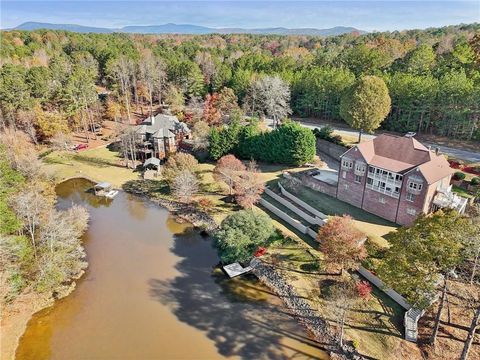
(188, 29)
(68, 27)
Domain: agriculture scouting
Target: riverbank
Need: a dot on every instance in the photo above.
(16, 315)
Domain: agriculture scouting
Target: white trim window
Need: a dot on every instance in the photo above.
(381, 200)
(410, 197)
(415, 185)
(347, 164)
(358, 179)
(360, 167)
(411, 211)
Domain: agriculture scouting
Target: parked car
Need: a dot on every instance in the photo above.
(81, 147)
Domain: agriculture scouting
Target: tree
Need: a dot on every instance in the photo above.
(269, 96)
(211, 114)
(421, 253)
(241, 233)
(200, 134)
(249, 186)
(366, 104)
(342, 297)
(420, 60)
(185, 185)
(176, 164)
(341, 243)
(228, 170)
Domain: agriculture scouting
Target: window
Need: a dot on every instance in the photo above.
(345, 186)
(369, 181)
(381, 200)
(371, 170)
(415, 186)
(410, 197)
(411, 211)
(360, 167)
(347, 164)
(344, 174)
(358, 179)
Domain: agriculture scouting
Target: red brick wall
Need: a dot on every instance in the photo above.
(403, 218)
(348, 190)
(372, 203)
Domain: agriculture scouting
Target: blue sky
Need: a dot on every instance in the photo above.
(365, 15)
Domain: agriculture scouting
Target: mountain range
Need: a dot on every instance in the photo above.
(187, 29)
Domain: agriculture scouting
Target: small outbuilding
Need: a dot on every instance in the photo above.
(151, 163)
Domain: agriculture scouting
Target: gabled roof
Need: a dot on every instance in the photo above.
(401, 154)
(162, 126)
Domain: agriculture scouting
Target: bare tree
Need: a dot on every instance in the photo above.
(342, 298)
(123, 70)
(185, 186)
(269, 96)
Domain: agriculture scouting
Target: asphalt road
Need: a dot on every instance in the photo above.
(466, 155)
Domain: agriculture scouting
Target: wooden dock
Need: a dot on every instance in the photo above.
(236, 269)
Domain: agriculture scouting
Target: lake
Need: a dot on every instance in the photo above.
(151, 291)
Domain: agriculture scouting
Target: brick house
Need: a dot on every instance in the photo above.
(161, 135)
(396, 178)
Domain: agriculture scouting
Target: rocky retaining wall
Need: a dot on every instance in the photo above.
(302, 310)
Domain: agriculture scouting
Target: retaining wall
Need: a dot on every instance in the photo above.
(318, 185)
(296, 210)
(399, 299)
(287, 218)
(302, 203)
(331, 149)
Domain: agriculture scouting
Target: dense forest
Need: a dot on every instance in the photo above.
(51, 80)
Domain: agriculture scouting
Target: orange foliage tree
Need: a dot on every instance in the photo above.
(228, 170)
(341, 243)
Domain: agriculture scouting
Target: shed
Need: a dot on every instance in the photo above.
(152, 162)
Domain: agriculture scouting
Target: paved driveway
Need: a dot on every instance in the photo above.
(466, 155)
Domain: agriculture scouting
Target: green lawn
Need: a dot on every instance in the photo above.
(100, 164)
(462, 192)
(373, 226)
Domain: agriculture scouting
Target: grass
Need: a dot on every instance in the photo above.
(375, 325)
(100, 164)
(373, 226)
(462, 192)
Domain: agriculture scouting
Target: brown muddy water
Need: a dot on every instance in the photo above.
(151, 292)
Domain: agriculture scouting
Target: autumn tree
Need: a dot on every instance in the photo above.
(185, 185)
(228, 170)
(249, 186)
(211, 113)
(200, 134)
(366, 104)
(341, 243)
(178, 163)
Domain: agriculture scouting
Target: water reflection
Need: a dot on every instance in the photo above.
(150, 292)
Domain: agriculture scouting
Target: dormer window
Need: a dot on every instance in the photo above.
(347, 164)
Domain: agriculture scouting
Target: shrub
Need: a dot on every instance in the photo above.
(326, 133)
(458, 175)
(472, 169)
(204, 204)
(475, 181)
(364, 289)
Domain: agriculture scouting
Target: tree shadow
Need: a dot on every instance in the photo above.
(237, 314)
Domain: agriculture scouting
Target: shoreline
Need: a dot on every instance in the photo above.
(315, 326)
(16, 315)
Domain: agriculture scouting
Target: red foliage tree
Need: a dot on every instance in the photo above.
(341, 243)
(249, 186)
(211, 113)
(228, 170)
